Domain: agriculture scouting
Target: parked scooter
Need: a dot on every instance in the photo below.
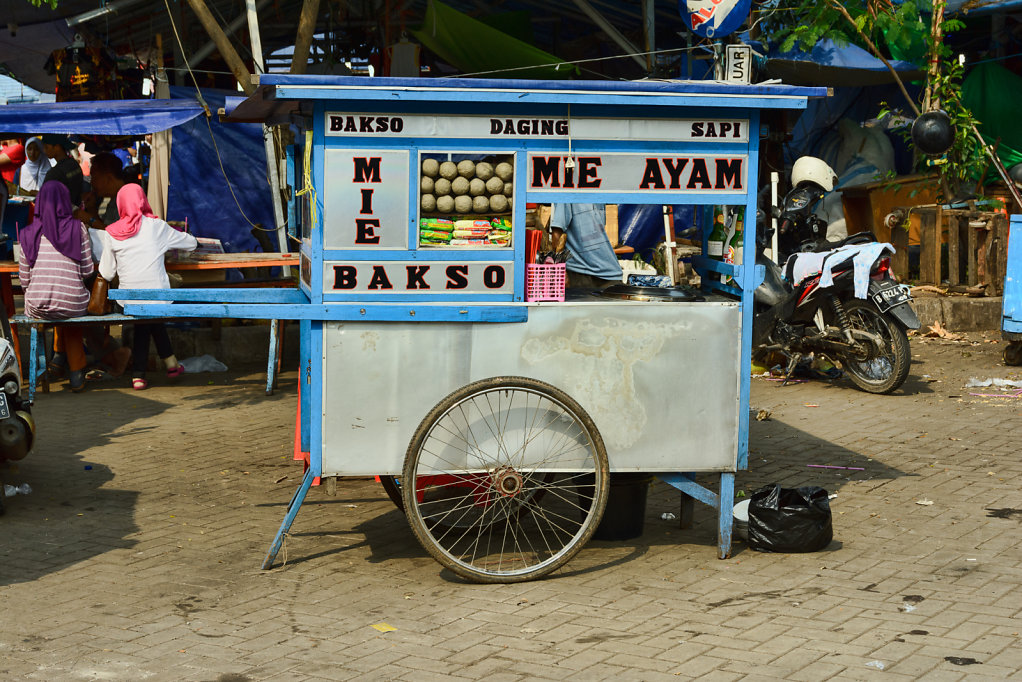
(17, 427)
(866, 336)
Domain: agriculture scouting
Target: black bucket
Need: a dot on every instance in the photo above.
(626, 507)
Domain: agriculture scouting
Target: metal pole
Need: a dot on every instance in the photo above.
(649, 34)
(775, 179)
(269, 144)
(252, 12)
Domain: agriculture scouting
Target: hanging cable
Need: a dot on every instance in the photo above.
(216, 147)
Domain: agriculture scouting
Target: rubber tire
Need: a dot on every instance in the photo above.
(393, 489)
(600, 492)
(902, 352)
(1012, 355)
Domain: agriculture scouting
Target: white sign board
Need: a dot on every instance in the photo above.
(518, 127)
(646, 173)
(739, 64)
(418, 277)
(365, 200)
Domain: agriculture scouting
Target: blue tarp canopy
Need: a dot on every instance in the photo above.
(220, 187)
(831, 64)
(115, 117)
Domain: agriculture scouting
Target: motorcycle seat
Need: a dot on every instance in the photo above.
(858, 238)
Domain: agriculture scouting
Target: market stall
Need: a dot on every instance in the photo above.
(423, 360)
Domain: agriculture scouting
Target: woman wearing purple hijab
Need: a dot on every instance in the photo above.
(56, 257)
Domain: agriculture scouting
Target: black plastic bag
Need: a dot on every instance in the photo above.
(789, 519)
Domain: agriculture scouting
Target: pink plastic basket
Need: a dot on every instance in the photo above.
(545, 282)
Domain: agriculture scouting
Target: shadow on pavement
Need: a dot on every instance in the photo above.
(73, 512)
(779, 454)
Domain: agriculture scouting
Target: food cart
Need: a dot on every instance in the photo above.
(498, 418)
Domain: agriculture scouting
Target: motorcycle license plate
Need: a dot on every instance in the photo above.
(5, 411)
(890, 295)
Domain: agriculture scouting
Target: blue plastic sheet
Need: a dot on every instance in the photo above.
(119, 117)
(641, 226)
(198, 188)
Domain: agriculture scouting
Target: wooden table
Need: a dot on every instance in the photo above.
(192, 262)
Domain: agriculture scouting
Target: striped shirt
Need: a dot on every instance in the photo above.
(53, 286)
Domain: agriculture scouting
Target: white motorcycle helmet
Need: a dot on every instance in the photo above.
(812, 169)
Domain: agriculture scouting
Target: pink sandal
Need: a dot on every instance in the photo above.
(176, 372)
(139, 384)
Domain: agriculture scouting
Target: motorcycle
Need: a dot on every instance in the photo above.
(17, 427)
(866, 336)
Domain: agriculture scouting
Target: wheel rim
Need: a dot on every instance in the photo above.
(504, 481)
(879, 369)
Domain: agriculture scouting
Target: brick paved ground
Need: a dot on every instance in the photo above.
(146, 566)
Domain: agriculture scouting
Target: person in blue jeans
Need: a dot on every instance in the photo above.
(593, 263)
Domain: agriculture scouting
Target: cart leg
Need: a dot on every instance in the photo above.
(271, 365)
(292, 512)
(725, 514)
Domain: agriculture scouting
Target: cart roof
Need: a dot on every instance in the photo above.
(278, 95)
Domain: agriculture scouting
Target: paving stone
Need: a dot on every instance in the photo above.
(161, 571)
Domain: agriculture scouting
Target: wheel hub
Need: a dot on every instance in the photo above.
(508, 482)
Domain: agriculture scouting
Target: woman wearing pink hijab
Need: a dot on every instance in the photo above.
(133, 251)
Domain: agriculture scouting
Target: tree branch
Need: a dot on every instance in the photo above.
(876, 53)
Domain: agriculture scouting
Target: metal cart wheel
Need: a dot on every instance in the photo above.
(1013, 354)
(505, 480)
(392, 487)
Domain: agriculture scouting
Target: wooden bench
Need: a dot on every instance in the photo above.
(37, 328)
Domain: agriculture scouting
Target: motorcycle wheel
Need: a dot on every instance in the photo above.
(887, 372)
(1012, 354)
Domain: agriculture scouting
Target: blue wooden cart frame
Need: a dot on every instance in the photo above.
(306, 101)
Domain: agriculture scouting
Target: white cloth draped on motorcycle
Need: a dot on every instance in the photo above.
(862, 256)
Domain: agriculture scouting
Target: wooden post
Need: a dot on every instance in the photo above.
(953, 258)
(223, 45)
(899, 240)
(927, 236)
(1000, 251)
(938, 234)
(972, 266)
(303, 41)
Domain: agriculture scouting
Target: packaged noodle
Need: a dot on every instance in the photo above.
(439, 224)
(470, 242)
(472, 224)
(470, 234)
(501, 223)
(500, 238)
(434, 235)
